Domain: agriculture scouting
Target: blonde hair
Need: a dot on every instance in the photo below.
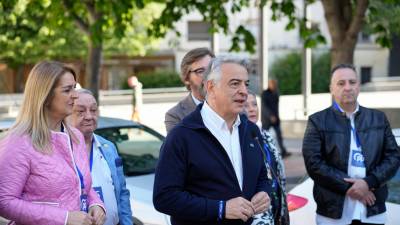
(33, 118)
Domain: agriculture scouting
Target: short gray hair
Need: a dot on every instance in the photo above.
(213, 71)
(86, 91)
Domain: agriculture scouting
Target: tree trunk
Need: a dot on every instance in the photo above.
(93, 66)
(344, 22)
(342, 53)
(19, 79)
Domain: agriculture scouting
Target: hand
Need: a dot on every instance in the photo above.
(260, 202)
(78, 218)
(358, 190)
(98, 215)
(369, 199)
(239, 208)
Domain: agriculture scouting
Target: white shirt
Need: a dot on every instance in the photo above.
(229, 140)
(352, 208)
(196, 101)
(102, 182)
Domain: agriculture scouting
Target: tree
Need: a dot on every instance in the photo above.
(26, 36)
(345, 19)
(38, 29)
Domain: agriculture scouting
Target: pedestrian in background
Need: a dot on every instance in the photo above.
(105, 163)
(350, 153)
(270, 113)
(193, 66)
(210, 170)
(45, 177)
(278, 213)
(137, 97)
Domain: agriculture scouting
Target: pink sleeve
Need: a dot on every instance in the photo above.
(14, 171)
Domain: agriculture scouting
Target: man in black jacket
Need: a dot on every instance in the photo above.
(350, 153)
(270, 114)
(211, 168)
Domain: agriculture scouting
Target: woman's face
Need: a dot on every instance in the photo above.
(64, 95)
(251, 108)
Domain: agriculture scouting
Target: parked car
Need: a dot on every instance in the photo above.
(302, 206)
(138, 146)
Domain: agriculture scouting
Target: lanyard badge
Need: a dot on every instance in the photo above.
(84, 202)
(83, 197)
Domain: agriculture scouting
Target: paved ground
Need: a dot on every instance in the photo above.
(294, 164)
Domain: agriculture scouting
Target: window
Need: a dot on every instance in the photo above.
(138, 148)
(198, 31)
(366, 74)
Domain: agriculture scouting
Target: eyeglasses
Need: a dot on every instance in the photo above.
(199, 71)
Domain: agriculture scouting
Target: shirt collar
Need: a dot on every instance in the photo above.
(349, 115)
(196, 101)
(96, 142)
(210, 115)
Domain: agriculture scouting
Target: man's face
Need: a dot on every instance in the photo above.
(345, 86)
(230, 93)
(196, 75)
(85, 113)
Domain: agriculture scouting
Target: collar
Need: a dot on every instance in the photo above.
(348, 115)
(95, 141)
(210, 115)
(195, 100)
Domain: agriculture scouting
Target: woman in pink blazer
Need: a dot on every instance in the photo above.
(44, 173)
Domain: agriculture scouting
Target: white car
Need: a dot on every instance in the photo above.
(139, 148)
(302, 206)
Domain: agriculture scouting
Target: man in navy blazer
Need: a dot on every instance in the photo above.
(211, 168)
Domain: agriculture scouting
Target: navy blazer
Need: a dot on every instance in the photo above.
(194, 172)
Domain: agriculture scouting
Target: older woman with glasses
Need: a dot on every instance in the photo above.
(278, 212)
(44, 170)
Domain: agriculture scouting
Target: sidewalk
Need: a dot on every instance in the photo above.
(294, 164)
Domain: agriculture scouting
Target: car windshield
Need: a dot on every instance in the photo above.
(138, 147)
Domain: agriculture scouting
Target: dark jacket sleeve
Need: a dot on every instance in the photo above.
(390, 162)
(169, 196)
(317, 167)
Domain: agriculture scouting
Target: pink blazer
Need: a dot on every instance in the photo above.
(37, 188)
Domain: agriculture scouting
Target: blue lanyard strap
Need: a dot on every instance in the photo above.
(91, 154)
(80, 177)
(355, 135)
(269, 161)
(82, 180)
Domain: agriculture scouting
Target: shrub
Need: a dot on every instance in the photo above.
(287, 70)
(157, 79)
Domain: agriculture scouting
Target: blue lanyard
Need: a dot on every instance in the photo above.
(82, 180)
(91, 154)
(269, 161)
(355, 135)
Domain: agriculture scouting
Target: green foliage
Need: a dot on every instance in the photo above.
(217, 14)
(383, 20)
(321, 70)
(157, 79)
(36, 30)
(287, 70)
(27, 34)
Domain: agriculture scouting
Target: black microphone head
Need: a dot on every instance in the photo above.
(254, 134)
